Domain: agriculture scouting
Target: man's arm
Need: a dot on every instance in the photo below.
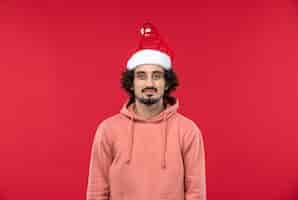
(101, 158)
(194, 166)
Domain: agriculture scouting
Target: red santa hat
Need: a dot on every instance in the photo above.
(152, 50)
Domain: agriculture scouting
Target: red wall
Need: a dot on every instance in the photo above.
(60, 65)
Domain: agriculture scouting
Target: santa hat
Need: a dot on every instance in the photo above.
(152, 50)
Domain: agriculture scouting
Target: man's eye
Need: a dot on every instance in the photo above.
(141, 76)
(157, 76)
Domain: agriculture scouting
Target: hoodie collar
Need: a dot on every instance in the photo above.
(127, 110)
(162, 117)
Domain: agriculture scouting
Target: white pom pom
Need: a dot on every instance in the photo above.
(148, 30)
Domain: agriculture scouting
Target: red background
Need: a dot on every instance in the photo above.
(60, 65)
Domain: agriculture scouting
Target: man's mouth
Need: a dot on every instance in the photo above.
(149, 91)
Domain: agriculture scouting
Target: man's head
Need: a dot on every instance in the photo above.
(149, 84)
(149, 77)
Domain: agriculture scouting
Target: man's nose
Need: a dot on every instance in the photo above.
(149, 82)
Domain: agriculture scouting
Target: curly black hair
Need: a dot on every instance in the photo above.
(172, 83)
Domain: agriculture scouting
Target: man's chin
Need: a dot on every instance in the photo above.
(148, 100)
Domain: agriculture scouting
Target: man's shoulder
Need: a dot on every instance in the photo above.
(187, 124)
(110, 120)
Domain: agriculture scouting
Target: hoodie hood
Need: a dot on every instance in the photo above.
(162, 117)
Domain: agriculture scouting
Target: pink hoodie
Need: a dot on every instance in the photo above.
(161, 158)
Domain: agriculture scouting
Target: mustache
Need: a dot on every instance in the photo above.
(149, 88)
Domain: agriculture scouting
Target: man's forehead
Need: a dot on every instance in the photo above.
(148, 68)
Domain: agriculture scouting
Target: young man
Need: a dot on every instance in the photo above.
(148, 151)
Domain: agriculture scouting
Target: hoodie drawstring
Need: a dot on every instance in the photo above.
(163, 142)
(131, 139)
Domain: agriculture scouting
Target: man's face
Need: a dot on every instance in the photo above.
(149, 84)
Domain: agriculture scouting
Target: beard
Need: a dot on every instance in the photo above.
(149, 100)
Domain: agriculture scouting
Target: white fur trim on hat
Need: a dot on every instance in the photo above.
(149, 56)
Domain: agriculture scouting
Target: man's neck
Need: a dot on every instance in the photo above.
(148, 111)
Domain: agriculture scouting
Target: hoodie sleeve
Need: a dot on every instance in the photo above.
(101, 158)
(194, 166)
